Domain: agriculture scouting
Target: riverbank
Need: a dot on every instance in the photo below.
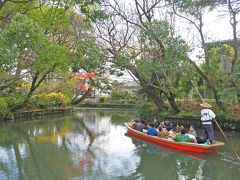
(226, 124)
(29, 114)
(42, 112)
(106, 105)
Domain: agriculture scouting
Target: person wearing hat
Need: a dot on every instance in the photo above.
(207, 115)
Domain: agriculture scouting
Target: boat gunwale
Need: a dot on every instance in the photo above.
(205, 146)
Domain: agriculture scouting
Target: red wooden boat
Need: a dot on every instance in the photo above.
(183, 146)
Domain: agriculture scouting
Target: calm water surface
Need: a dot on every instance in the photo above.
(93, 145)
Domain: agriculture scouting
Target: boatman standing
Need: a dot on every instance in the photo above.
(207, 115)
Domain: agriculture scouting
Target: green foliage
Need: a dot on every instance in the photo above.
(146, 110)
(89, 57)
(184, 113)
(193, 7)
(118, 94)
(24, 38)
(222, 115)
(4, 110)
(25, 47)
(123, 97)
(103, 99)
(52, 20)
(166, 67)
(231, 94)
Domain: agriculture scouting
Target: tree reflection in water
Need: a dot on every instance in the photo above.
(93, 145)
(59, 148)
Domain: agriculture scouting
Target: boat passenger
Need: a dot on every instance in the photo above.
(207, 115)
(146, 127)
(192, 138)
(162, 132)
(162, 124)
(168, 125)
(179, 127)
(182, 137)
(192, 131)
(152, 131)
(140, 126)
(134, 124)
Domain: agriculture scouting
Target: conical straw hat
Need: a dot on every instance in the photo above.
(205, 105)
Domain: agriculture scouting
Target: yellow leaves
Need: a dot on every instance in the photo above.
(24, 85)
(52, 99)
(55, 95)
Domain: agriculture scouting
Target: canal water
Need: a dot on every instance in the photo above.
(93, 145)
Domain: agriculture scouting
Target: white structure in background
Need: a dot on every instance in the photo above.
(126, 86)
(96, 123)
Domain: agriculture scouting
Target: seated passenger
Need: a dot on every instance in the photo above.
(152, 131)
(134, 124)
(182, 137)
(157, 124)
(168, 125)
(192, 131)
(162, 124)
(178, 128)
(192, 138)
(146, 127)
(162, 132)
(140, 126)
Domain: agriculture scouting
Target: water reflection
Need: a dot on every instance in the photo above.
(93, 145)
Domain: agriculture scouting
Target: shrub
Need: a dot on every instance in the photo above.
(4, 108)
(52, 99)
(132, 101)
(121, 101)
(184, 113)
(222, 115)
(124, 97)
(103, 99)
(146, 110)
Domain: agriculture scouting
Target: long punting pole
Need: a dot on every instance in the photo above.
(224, 135)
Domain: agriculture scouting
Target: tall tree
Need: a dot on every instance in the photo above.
(148, 49)
(192, 12)
(26, 53)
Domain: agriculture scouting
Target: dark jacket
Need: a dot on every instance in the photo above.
(140, 127)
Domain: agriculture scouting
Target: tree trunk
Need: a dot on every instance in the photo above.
(172, 102)
(151, 92)
(78, 100)
(34, 85)
(158, 101)
(233, 21)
